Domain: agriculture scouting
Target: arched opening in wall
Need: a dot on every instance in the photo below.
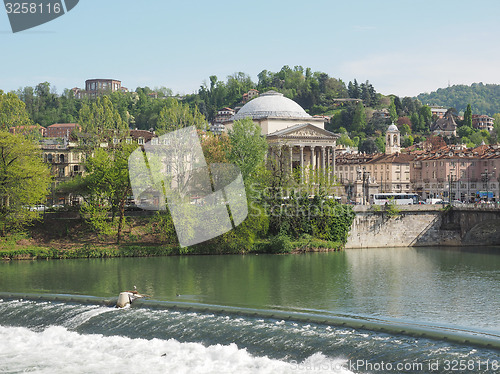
(486, 232)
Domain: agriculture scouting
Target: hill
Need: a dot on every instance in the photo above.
(483, 98)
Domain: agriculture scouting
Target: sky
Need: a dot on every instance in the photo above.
(402, 47)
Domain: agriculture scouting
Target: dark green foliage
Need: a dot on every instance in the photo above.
(468, 116)
(483, 98)
(368, 146)
(299, 214)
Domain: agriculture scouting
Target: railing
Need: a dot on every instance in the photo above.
(477, 206)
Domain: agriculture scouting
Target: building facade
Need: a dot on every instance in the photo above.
(98, 87)
(62, 130)
(482, 122)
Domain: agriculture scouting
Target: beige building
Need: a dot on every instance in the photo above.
(363, 175)
(66, 162)
(302, 139)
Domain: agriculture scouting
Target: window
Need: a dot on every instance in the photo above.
(49, 157)
(140, 141)
(76, 168)
(61, 172)
(116, 140)
(154, 141)
(128, 140)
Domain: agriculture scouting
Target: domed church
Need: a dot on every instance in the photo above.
(286, 125)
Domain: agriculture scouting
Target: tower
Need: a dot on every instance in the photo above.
(392, 140)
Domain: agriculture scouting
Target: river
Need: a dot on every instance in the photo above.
(388, 310)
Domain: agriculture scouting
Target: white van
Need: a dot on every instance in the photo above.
(434, 201)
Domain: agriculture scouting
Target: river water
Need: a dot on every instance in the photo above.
(256, 313)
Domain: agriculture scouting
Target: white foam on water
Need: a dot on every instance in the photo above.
(86, 315)
(57, 350)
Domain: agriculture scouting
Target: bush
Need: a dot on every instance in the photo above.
(280, 243)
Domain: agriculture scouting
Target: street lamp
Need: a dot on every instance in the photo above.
(450, 181)
(366, 183)
(486, 177)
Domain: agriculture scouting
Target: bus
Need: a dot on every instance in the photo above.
(398, 198)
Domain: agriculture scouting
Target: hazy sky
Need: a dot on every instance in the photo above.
(401, 46)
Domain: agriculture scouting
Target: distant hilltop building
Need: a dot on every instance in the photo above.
(482, 122)
(438, 111)
(445, 126)
(253, 93)
(61, 130)
(98, 87)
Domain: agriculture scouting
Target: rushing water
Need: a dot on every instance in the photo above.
(436, 289)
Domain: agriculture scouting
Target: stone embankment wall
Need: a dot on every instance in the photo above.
(414, 226)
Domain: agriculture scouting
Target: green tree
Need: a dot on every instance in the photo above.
(12, 111)
(468, 117)
(107, 185)
(496, 125)
(465, 131)
(359, 118)
(408, 141)
(393, 111)
(101, 118)
(368, 146)
(248, 146)
(380, 142)
(24, 181)
(177, 115)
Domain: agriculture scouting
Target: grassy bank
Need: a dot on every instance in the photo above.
(20, 247)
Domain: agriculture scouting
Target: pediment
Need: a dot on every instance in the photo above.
(303, 131)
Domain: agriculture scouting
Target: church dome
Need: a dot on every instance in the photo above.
(271, 104)
(393, 128)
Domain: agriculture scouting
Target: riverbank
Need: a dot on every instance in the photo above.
(68, 238)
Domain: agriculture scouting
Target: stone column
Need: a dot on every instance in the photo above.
(333, 162)
(327, 171)
(301, 164)
(323, 160)
(290, 150)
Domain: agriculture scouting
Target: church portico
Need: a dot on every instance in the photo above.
(308, 147)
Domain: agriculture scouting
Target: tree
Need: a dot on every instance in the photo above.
(425, 119)
(468, 116)
(100, 118)
(216, 148)
(465, 131)
(408, 141)
(359, 118)
(248, 147)
(380, 142)
(404, 129)
(107, 185)
(368, 146)
(393, 111)
(12, 111)
(496, 125)
(24, 181)
(178, 115)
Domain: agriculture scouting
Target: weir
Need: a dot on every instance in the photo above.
(413, 329)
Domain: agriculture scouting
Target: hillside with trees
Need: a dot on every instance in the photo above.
(357, 111)
(483, 98)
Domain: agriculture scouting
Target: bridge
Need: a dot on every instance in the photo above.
(426, 225)
(476, 223)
